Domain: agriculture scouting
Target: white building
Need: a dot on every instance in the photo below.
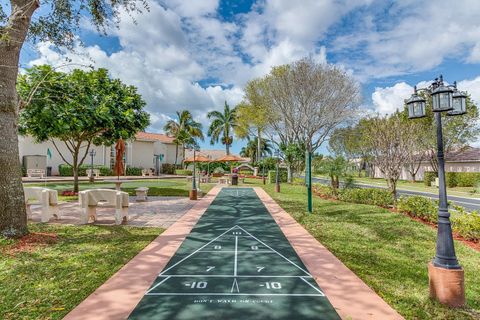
(141, 152)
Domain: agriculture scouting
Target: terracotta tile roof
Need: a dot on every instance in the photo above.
(464, 155)
(212, 154)
(154, 137)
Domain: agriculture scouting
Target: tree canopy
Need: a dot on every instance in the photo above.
(222, 126)
(80, 108)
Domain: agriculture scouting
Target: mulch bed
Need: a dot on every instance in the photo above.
(30, 242)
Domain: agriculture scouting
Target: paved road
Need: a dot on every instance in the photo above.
(468, 203)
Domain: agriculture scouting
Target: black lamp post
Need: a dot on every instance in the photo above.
(193, 192)
(92, 155)
(446, 274)
(277, 171)
(263, 168)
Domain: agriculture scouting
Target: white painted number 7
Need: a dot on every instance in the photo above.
(210, 268)
(260, 269)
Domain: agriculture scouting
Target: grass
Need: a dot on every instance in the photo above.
(388, 251)
(51, 280)
(157, 187)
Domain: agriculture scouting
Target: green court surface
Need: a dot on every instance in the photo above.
(235, 264)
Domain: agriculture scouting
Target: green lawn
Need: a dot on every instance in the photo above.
(51, 280)
(158, 187)
(388, 251)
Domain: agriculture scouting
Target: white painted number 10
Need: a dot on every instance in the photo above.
(273, 285)
(198, 285)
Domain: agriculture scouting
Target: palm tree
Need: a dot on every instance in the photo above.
(251, 149)
(222, 125)
(183, 129)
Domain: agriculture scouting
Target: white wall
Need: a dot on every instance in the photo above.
(449, 167)
(142, 154)
(27, 146)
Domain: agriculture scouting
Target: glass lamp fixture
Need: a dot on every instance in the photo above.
(442, 99)
(416, 106)
(459, 104)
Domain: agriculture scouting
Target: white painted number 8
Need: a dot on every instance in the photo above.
(254, 248)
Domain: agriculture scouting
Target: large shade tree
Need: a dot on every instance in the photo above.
(78, 109)
(183, 129)
(57, 22)
(222, 126)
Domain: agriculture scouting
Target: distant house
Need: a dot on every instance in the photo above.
(146, 150)
(462, 160)
(212, 154)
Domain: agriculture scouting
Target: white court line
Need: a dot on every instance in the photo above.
(312, 286)
(199, 294)
(235, 265)
(235, 284)
(157, 285)
(228, 276)
(281, 255)
(191, 254)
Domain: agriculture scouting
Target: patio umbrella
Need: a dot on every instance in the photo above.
(118, 169)
(198, 158)
(230, 158)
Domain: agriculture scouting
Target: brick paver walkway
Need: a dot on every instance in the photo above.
(156, 212)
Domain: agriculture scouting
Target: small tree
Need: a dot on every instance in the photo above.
(79, 109)
(336, 168)
(389, 140)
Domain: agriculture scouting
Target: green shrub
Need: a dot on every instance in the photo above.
(168, 168)
(183, 172)
(67, 171)
(282, 175)
(246, 172)
(468, 179)
(451, 179)
(466, 224)
(373, 196)
(134, 171)
(298, 181)
(429, 177)
(418, 206)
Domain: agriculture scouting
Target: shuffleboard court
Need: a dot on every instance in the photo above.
(235, 264)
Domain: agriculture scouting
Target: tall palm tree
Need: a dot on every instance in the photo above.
(183, 129)
(222, 125)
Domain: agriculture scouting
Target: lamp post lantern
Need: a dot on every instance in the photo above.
(93, 153)
(277, 171)
(445, 273)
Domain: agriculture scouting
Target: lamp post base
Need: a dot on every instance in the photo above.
(193, 194)
(447, 285)
(277, 188)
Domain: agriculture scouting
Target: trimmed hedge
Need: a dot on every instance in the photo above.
(454, 179)
(418, 206)
(373, 196)
(246, 172)
(466, 224)
(282, 175)
(134, 171)
(183, 172)
(67, 171)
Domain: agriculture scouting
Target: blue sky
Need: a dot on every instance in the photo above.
(196, 54)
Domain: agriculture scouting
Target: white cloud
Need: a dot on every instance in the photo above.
(472, 87)
(388, 100)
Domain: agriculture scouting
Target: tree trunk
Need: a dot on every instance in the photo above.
(13, 216)
(334, 185)
(75, 178)
(227, 147)
(392, 184)
(289, 173)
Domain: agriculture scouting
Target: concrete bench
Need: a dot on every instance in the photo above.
(47, 198)
(148, 172)
(90, 199)
(35, 172)
(141, 193)
(96, 172)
